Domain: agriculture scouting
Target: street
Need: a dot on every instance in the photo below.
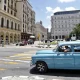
(16, 62)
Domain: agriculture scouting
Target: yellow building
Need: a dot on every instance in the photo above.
(10, 30)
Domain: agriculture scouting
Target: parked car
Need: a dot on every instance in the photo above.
(58, 58)
(30, 41)
(23, 43)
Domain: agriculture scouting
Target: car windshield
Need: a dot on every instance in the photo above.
(55, 48)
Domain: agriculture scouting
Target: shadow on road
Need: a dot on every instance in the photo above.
(63, 73)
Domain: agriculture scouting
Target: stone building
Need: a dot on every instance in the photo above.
(63, 23)
(41, 31)
(9, 23)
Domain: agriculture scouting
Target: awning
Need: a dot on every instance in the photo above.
(32, 36)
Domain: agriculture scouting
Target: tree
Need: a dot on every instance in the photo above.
(76, 30)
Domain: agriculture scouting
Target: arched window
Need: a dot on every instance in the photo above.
(2, 22)
(7, 23)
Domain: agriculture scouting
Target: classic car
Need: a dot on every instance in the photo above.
(58, 58)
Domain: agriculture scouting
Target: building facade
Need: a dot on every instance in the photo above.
(63, 23)
(10, 29)
(27, 17)
(41, 32)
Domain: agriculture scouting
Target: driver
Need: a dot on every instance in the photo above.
(67, 49)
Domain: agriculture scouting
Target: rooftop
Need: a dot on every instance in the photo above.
(67, 12)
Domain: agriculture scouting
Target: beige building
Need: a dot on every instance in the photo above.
(9, 23)
(41, 32)
(27, 17)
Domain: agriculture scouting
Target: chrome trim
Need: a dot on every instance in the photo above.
(63, 58)
(44, 58)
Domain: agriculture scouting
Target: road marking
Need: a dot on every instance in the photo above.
(57, 79)
(29, 54)
(15, 60)
(27, 58)
(2, 69)
(11, 63)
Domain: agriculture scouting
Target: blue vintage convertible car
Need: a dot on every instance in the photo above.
(58, 58)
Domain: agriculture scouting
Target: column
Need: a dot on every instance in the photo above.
(13, 38)
(0, 21)
(4, 38)
(20, 37)
(9, 38)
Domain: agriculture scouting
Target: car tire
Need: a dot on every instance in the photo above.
(41, 67)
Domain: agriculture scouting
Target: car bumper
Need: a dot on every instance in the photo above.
(32, 65)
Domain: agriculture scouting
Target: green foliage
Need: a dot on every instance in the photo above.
(76, 30)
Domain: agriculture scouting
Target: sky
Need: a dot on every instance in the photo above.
(44, 9)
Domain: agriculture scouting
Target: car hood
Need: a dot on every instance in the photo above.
(45, 52)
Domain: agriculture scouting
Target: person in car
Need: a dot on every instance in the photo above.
(67, 49)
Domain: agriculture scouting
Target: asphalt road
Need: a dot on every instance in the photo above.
(11, 51)
(10, 67)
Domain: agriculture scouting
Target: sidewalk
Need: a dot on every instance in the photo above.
(35, 45)
(28, 78)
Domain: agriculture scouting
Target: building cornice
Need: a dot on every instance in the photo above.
(9, 15)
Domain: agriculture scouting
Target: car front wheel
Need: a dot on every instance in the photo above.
(41, 67)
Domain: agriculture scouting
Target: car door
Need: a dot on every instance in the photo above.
(64, 59)
(76, 55)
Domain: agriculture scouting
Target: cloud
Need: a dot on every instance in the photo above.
(57, 9)
(53, 10)
(66, 1)
(70, 8)
(48, 17)
(49, 9)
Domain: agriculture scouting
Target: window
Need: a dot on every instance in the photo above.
(11, 12)
(15, 5)
(23, 6)
(23, 15)
(2, 22)
(11, 25)
(23, 19)
(11, 1)
(4, 7)
(15, 26)
(23, 30)
(18, 27)
(7, 23)
(5, 1)
(8, 10)
(64, 47)
(77, 48)
(14, 13)
(23, 25)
